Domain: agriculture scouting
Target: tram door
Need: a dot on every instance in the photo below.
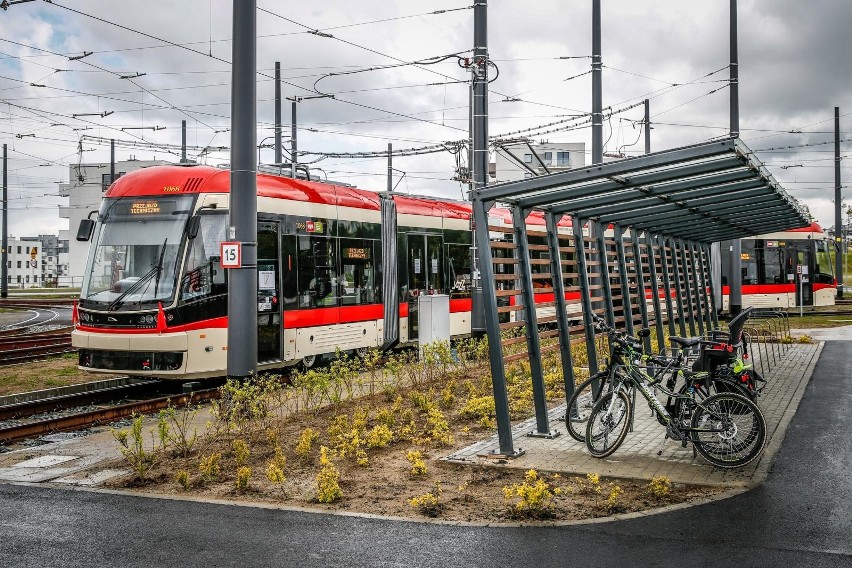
(804, 293)
(425, 274)
(269, 329)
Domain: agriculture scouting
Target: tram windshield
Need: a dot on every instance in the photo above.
(134, 254)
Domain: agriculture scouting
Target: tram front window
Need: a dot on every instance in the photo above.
(134, 254)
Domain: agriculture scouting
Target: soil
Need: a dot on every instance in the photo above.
(58, 371)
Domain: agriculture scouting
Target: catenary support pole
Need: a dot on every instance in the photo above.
(390, 167)
(626, 303)
(735, 282)
(480, 149)
(655, 289)
(242, 282)
(531, 319)
(4, 249)
(597, 98)
(111, 160)
(838, 202)
(294, 146)
(647, 126)
(278, 143)
(585, 296)
(492, 324)
(551, 223)
(182, 141)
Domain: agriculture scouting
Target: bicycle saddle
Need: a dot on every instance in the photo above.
(685, 341)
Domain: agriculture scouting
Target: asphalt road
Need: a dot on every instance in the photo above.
(801, 516)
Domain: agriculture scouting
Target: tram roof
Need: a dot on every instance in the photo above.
(708, 192)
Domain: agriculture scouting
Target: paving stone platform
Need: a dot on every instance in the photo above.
(645, 452)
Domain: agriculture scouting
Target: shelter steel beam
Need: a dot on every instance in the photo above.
(620, 202)
(707, 231)
(640, 285)
(667, 282)
(714, 311)
(678, 287)
(655, 289)
(600, 238)
(653, 185)
(626, 304)
(692, 279)
(551, 223)
(585, 296)
(743, 225)
(531, 320)
(684, 273)
(509, 190)
(712, 204)
(703, 272)
(492, 329)
(674, 212)
(553, 196)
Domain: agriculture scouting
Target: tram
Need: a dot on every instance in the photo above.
(154, 298)
(785, 269)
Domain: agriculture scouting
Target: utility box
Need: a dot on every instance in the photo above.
(434, 319)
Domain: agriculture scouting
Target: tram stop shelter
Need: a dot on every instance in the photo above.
(623, 234)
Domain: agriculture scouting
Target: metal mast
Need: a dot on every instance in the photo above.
(838, 213)
(242, 282)
(647, 126)
(278, 113)
(597, 104)
(4, 255)
(480, 160)
(735, 297)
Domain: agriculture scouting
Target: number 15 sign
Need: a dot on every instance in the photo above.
(231, 255)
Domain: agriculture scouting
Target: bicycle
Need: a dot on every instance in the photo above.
(727, 429)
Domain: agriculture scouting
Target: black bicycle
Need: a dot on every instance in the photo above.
(727, 429)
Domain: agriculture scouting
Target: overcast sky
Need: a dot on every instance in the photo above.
(794, 69)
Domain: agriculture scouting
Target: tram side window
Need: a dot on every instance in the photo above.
(318, 285)
(360, 278)
(458, 257)
(749, 263)
(204, 274)
(773, 266)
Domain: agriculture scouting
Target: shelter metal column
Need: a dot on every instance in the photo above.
(585, 297)
(701, 284)
(640, 284)
(492, 329)
(603, 257)
(626, 304)
(551, 223)
(533, 339)
(668, 285)
(655, 289)
(714, 313)
(692, 278)
(678, 287)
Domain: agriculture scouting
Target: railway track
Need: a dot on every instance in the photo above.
(151, 399)
(23, 348)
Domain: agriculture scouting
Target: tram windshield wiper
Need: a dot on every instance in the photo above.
(157, 270)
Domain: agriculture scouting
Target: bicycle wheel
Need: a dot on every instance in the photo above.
(582, 402)
(608, 424)
(739, 430)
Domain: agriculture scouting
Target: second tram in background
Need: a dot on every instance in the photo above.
(772, 265)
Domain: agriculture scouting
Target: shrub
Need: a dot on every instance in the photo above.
(133, 449)
(429, 503)
(328, 479)
(660, 486)
(379, 436)
(612, 499)
(182, 477)
(241, 452)
(305, 443)
(243, 477)
(534, 496)
(418, 465)
(274, 473)
(209, 466)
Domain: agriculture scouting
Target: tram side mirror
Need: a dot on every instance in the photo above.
(84, 231)
(644, 332)
(193, 226)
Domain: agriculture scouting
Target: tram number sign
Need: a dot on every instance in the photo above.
(231, 255)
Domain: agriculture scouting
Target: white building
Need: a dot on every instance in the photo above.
(24, 271)
(520, 160)
(86, 188)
